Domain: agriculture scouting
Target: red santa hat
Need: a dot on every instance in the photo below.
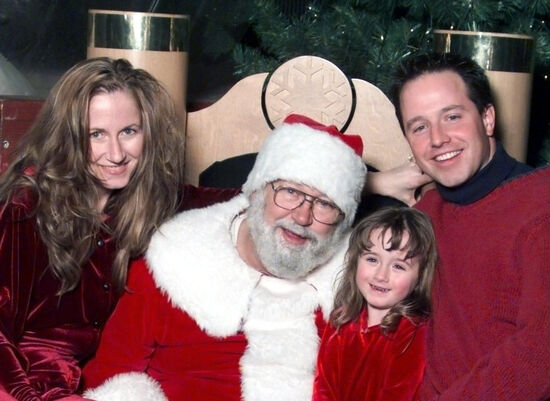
(307, 152)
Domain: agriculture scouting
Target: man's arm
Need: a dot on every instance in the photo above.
(403, 183)
(199, 197)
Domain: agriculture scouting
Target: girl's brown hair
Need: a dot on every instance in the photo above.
(53, 162)
(396, 221)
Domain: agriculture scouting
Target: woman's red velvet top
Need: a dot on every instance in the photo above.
(44, 338)
(359, 363)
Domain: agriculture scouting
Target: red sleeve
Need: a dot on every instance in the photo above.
(16, 278)
(406, 366)
(127, 341)
(518, 368)
(5, 396)
(320, 322)
(198, 197)
(326, 380)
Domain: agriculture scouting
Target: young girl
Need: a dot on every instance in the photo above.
(373, 349)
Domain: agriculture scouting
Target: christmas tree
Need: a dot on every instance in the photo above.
(367, 38)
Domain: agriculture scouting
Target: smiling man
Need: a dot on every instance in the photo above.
(231, 298)
(491, 298)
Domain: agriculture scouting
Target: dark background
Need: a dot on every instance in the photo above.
(40, 39)
(43, 38)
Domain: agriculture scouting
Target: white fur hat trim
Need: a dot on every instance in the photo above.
(298, 153)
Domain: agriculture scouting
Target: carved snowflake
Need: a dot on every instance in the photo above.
(311, 86)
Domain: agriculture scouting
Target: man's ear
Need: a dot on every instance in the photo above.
(488, 117)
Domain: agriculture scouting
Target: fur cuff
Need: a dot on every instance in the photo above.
(127, 386)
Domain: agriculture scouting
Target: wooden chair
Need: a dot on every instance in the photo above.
(238, 123)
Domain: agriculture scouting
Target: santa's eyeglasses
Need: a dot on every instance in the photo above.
(322, 210)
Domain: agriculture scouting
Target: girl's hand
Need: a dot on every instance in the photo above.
(405, 182)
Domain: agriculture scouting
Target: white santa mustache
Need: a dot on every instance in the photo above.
(298, 230)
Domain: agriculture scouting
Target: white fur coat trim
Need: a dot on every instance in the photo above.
(193, 260)
(127, 386)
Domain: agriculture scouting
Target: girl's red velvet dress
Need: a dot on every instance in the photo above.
(360, 364)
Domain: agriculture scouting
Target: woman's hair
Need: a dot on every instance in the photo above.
(53, 162)
(396, 221)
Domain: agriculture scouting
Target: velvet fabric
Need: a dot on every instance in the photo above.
(359, 363)
(167, 343)
(488, 337)
(198, 197)
(44, 338)
(204, 325)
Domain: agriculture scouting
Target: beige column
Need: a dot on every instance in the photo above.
(508, 62)
(157, 43)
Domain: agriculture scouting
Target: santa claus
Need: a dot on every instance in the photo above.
(230, 299)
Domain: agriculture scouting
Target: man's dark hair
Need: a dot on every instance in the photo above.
(477, 84)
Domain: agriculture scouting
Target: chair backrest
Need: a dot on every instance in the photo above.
(239, 122)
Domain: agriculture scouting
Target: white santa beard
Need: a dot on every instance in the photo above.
(280, 258)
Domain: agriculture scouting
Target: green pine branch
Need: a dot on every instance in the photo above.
(366, 38)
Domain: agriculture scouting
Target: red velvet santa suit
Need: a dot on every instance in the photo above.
(199, 324)
(359, 363)
(44, 338)
(491, 298)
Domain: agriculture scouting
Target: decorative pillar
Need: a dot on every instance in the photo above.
(508, 62)
(157, 43)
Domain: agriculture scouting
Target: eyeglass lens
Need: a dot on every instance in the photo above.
(290, 198)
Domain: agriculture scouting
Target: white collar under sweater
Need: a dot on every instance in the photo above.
(193, 260)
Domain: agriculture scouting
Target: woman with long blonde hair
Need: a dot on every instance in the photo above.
(98, 172)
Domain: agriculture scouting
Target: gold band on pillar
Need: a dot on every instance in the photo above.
(157, 43)
(139, 31)
(492, 51)
(508, 61)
